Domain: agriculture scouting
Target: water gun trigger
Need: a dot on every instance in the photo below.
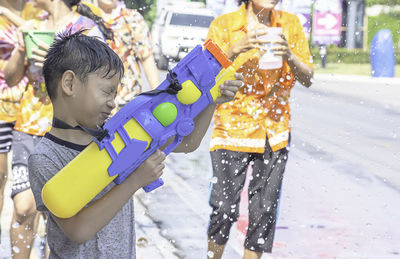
(177, 140)
(128, 154)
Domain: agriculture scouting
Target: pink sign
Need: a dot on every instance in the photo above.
(327, 21)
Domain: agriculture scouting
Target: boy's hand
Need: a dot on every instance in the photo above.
(150, 170)
(229, 89)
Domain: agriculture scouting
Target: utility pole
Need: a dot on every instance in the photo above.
(355, 20)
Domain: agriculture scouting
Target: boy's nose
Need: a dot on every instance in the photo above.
(112, 104)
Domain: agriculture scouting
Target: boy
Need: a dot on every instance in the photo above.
(82, 75)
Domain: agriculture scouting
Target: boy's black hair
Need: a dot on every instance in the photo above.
(240, 2)
(81, 54)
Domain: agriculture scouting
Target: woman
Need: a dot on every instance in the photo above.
(254, 129)
(35, 117)
(132, 43)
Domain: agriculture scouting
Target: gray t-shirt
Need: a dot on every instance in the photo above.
(115, 240)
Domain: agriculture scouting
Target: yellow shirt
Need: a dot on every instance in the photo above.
(244, 123)
(10, 96)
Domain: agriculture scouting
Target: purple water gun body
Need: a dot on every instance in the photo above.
(164, 113)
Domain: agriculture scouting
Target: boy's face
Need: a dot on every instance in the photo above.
(95, 99)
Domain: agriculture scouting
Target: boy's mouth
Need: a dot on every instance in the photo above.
(106, 114)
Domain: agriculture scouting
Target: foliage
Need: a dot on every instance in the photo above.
(382, 2)
(148, 8)
(348, 56)
(385, 21)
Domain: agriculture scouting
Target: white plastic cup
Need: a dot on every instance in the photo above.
(268, 60)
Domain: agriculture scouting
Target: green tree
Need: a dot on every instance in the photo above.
(148, 8)
(383, 2)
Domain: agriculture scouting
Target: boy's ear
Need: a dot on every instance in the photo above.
(68, 80)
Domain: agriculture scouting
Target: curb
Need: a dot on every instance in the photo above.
(358, 78)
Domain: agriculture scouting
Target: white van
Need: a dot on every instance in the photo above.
(177, 30)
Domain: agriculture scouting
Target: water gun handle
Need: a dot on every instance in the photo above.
(225, 74)
(154, 185)
(184, 128)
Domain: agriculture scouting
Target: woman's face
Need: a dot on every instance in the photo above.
(42, 4)
(265, 4)
(109, 4)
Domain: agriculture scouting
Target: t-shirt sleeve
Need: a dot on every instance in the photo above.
(299, 43)
(41, 170)
(216, 33)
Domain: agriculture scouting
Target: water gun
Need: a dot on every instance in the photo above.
(140, 128)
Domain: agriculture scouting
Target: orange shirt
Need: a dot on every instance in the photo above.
(256, 112)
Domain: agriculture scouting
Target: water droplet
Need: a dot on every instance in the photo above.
(20, 236)
(260, 241)
(214, 179)
(210, 254)
(15, 249)
(15, 225)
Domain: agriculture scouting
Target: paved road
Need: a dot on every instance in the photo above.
(341, 190)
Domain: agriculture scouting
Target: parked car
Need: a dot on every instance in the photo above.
(177, 30)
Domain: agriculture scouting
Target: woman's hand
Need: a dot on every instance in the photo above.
(28, 26)
(281, 48)
(39, 55)
(229, 89)
(252, 40)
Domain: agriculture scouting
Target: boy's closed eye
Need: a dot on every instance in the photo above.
(110, 91)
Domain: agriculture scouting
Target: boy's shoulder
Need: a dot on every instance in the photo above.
(53, 150)
(50, 155)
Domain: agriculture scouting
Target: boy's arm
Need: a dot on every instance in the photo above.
(202, 121)
(84, 225)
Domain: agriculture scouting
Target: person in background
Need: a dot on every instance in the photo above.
(13, 81)
(132, 43)
(35, 116)
(254, 129)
